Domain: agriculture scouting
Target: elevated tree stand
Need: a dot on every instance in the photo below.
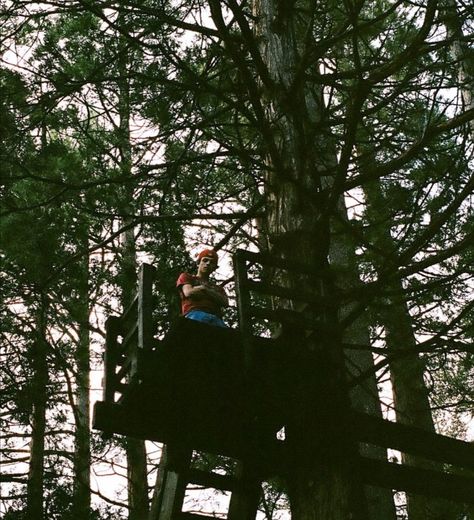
(229, 392)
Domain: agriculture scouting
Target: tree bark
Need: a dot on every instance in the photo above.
(364, 396)
(82, 454)
(462, 54)
(135, 449)
(322, 479)
(40, 377)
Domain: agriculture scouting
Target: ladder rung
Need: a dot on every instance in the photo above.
(195, 516)
(125, 369)
(284, 292)
(266, 259)
(209, 479)
(285, 317)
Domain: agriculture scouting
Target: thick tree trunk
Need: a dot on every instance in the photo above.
(137, 479)
(322, 482)
(464, 59)
(82, 454)
(158, 489)
(35, 485)
(135, 449)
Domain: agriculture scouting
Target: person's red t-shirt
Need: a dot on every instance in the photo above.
(203, 304)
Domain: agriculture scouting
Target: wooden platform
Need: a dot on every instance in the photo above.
(229, 392)
(192, 390)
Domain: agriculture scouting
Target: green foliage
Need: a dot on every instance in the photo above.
(121, 113)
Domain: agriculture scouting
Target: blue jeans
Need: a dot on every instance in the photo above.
(206, 317)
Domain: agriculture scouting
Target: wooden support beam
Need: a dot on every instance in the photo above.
(416, 441)
(174, 482)
(111, 355)
(246, 494)
(130, 337)
(145, 306)
(129, 315)
(123, 372)
(243, 305)
(193, 516)
(273, 261)
(419, 481)
(211, 480)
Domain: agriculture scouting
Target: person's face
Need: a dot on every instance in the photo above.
(206, 265)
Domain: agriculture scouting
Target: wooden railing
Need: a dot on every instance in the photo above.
(449, 469)
(127, 337)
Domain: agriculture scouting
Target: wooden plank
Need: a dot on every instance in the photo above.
(210, 480)
(131, 310)
(124, 370)
(123, 420)
(246, 495)
(121, 387)
(412, 440)
(243, 306)
(112, 328)
(419, 481)
(195, 516)
(284, 292)
(174, 483)
(267, 259)
(129, 335)
(111, 417)
(145, 306)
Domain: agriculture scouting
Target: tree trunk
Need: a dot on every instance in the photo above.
(82, 454)
(158, 489)
(462, 54)
(322, 481)
(464, 59)
(364, 396)
(40, 377)
(135, 449)
(411, 400)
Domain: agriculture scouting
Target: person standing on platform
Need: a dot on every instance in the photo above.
(202, 300)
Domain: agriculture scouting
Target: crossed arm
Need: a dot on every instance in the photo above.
(202, 291)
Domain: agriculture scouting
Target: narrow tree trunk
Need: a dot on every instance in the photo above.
(411, 400)
(35, 485)
(82, 453)
(135, 449)
(462, 54)
(364, 396)
(464, 60)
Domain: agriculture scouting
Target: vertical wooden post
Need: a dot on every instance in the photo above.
(112, 330)
(243, 307)
(178, 460)
(246, 495)
(145, 331)
(145, 306)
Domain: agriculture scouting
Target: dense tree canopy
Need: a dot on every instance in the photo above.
(337, 133)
